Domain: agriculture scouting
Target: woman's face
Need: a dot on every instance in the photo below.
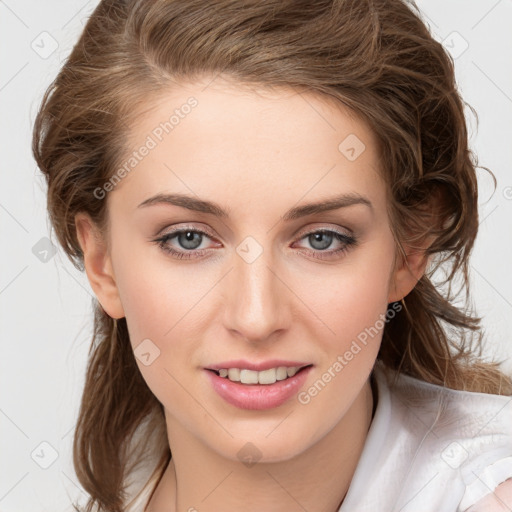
(260, 285)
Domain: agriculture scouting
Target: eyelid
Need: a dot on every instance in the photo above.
(348, 241)
(297, 236)
(184, 227)
(323, 227)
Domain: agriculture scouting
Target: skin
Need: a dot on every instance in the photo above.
(500, 500)
(257, 154)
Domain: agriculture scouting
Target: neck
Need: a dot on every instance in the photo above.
(198, 478)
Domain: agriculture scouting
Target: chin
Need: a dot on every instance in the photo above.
(262, 447)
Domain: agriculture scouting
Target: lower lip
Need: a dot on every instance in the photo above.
(257, 396)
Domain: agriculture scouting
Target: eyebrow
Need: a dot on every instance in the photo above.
(200, 205)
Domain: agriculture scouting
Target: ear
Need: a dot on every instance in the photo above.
(407, 272)
(98, 265)
(412, 261)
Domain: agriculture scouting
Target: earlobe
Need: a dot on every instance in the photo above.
(409, 272)
(98, 265)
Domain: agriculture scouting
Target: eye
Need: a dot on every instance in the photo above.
(187, 243)
(188, 239)
(322, 239)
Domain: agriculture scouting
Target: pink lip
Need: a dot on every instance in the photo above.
(258, 396)
(263, 365)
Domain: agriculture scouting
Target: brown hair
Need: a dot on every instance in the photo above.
(376, 57)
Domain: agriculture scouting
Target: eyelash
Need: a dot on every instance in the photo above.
(162, 242)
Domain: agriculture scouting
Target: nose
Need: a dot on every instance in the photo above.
(256, 307)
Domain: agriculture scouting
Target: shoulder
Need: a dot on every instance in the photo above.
(464, 438)
(468, 416)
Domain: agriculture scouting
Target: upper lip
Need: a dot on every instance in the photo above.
(262, 365)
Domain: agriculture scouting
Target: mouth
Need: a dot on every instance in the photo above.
(263, 377)
(273, 384)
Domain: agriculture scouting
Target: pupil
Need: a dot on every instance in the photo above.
(187, 239)
(321, 240)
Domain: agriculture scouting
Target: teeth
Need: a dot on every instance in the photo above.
(269, 376)
(234, 374)
(292, 371)
(248, 377)
(281, 373)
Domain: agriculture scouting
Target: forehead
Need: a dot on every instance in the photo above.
(247, 145)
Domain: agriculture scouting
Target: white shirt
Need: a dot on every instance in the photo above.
(429, 449)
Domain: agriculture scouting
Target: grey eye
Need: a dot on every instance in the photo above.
(189, 239)
(320, 240)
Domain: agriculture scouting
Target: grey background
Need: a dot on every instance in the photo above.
(45, 303)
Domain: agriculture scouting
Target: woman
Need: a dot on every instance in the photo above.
(261, 194)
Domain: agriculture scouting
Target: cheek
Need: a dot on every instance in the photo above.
(362, 299)
(148, 311)
(352, 296)
(355, 309)
(151, 288)
(158, 295)
(157, 325)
